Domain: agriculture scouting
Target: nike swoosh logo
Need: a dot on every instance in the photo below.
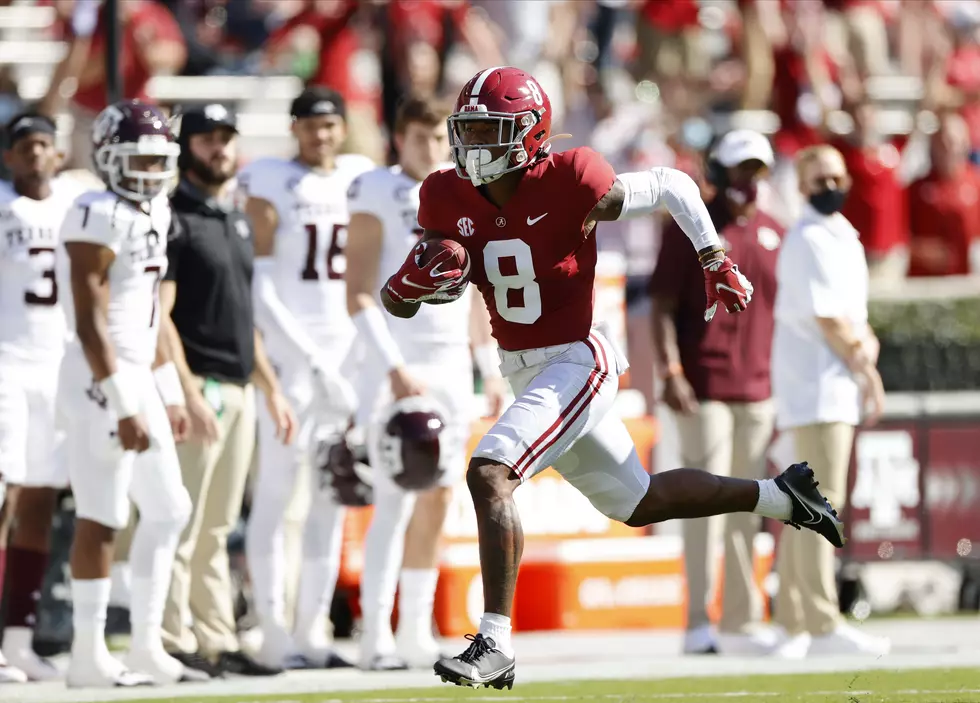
(813, 519)
(536, 219)
(408, 283)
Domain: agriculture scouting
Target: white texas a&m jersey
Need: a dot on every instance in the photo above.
(309, 244)
(392, 196)
(32, 322)
(137, 234)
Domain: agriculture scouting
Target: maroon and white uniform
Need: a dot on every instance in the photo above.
(534, 263)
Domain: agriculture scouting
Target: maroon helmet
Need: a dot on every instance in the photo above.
(408, 442)
(133, 150)
(340, 471)
(522, 110)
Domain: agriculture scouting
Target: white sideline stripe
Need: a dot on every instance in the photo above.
(644, 696)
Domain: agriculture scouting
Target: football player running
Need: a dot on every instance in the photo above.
(418, 401)
(32, 342)
(525, 219)
(115, 408)
(299, 212)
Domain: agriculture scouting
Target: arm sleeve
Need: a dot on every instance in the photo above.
(274, 318)
(674, 263)
(362, 196)
(93, 221)
(648, 190)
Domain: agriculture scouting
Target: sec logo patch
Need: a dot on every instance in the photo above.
(465, 226)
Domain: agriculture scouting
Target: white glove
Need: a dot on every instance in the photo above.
(333, 397)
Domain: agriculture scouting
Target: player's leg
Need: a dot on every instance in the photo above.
(322, 543)
(100, 473)
(13, 469)
(265, 548)
(27, 555)
(164, 506)
(414, 640)
(562, 393)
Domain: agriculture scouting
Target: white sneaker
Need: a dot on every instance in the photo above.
(18, 648)
(156, 664)
(795, 647)
(418, 650)
(754, 642)
(106, 672)
(700, 640)
(277, 647)
(11, 674)
(850, 640)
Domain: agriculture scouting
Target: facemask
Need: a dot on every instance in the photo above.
(827, 202)
(744, 194)
(483, 169)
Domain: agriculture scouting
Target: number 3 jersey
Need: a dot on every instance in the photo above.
(392, 197)
(32, 322)
(137, 235)
(533, 259)
(309, 243)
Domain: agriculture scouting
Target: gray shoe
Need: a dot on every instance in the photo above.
(482, 664)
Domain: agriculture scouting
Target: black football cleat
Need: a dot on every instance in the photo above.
(482, 664)
(810, 509)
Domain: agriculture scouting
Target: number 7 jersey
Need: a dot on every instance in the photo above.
(310, 263)
(533, 259)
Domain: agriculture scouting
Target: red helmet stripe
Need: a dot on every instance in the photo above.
(478, 85)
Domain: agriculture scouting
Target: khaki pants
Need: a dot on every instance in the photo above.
(215, 478)
(807, 600)
(727, 439)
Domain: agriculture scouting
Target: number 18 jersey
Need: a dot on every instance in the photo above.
(32, 322)
(309, 243)
(137, 235)
(533, 259)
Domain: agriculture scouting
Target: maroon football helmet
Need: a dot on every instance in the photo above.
(408, 442)
(129, 140)
(340, 470)
(522, 110)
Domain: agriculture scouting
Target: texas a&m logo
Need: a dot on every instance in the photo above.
(465, 226)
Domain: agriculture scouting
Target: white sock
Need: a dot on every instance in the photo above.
(322, 543)
(773, 502)
(90, 601)
(497, 628)
(416, 599)
(121, 576)
(152, 560)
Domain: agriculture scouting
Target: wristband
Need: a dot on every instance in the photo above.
(673, 369)
(487, 360)
(168, 384)
(120, 396)
(371, 325)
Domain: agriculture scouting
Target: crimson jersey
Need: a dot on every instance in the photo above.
(532, 259)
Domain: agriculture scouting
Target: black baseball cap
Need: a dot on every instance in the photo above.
(27, 123)
(207, 118)
(318, 101)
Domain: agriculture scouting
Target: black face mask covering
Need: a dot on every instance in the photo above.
(827, 202)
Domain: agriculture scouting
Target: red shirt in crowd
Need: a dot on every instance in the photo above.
(671, 16)
(944, 218)
(963, 73)
(726, 359)
(147, 22)
(876, 205)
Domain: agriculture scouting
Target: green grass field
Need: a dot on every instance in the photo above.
(919, 686)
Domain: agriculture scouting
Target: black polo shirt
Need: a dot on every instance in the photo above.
(210, 259)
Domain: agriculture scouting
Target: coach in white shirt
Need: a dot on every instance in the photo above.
(823, 380)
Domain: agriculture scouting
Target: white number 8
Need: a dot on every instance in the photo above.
(535, 92)
(522, 280)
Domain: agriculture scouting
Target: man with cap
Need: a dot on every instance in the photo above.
(299, 209)
(219, 355)
(716, 381)
(32, 343)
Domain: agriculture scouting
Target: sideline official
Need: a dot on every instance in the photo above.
(823, 379)
(218, 354)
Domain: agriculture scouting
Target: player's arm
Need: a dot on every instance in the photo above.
(641, 192)
(271, 314)
(90, 264)
(166, 372)
(413, 284)
(264, 376)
